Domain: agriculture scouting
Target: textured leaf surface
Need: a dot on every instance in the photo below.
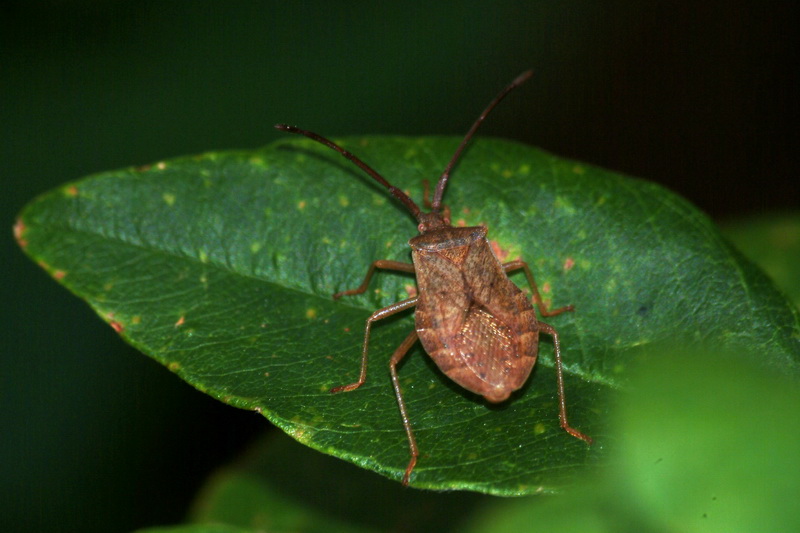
(221, 267)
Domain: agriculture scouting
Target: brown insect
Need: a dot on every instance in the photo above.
(476, 324)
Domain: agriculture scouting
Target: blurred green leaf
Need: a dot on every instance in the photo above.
(772, 241)
(221, 267)
(197, 528)
(278, 485)
(715, 450)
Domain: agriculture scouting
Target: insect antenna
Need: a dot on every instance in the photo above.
(397, 193)
(437, 197)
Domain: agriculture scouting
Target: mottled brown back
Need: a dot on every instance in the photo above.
(476, 324)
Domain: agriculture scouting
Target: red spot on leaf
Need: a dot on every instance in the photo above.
(180, 321)
(117, 326)
(546, 287)
(411, 290)
(72, 190)
(59, 274)
(19, 231)
(461, 223)
(569, 263)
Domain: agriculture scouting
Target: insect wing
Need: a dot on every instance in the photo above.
(478, 327)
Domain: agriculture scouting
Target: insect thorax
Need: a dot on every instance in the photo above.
(447, 237)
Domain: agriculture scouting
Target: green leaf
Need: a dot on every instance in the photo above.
(221, 267)
(717, 450)
(772, 241)
(278, 485)
(692, 448)
(197, 528)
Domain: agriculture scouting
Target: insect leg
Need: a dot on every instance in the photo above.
(520, 264)
(397, 356)
(382, 264)
(562, 402)
(377, 315)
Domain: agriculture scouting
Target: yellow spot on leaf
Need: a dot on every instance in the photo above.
(539, 428)
(174, 366)
(343, 200)
(577, 169)
(564, 204)
(524, 169)
(301, 205)
(255, 247)
(311, 313)
(169, 198)
(299, 434)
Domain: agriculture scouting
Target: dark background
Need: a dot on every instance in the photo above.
(95, 436)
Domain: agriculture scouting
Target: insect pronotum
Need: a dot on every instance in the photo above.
(477, 325)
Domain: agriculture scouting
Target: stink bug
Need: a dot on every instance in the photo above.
(476, 324)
